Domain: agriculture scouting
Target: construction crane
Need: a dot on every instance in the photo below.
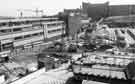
(36, 11)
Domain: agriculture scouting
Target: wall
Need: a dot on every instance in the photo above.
(97, 11)
(74, 24)
(117, 10)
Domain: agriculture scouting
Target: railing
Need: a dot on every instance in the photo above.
(18, 26)
(19, 33)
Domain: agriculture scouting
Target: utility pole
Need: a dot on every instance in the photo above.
(21, 14)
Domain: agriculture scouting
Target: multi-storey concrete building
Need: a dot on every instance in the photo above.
(28, 31)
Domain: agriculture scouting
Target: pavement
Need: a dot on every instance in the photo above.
(56, 76)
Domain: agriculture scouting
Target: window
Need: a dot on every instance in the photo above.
(18, 38)
(17, 29)
(3, 24)
(35, 34)
(5, 31)
(60, 24)
(53, 31)
(48, 25)
(26, 28)
(28, 22)
(51, 25)
(45, 20)
(37, 27)
(10, 24)
(36, 24)
(27, 36)
(41, 33)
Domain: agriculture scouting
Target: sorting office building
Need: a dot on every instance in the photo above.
(16, 33)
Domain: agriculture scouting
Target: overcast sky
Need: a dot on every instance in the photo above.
(9, 7)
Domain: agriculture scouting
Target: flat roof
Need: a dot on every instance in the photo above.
(24, 19)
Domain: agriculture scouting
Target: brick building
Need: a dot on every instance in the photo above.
(96, 11)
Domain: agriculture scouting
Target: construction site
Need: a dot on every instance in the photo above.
(94, 44)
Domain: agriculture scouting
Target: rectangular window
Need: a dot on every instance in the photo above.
(41, 33)
(48, 25)
(35, 34)
(35, 25)
(26, 28)
(53, 31)
(3, 24)
(28, 22)
(5, 31)
(27, 36)
(17, 29)
(18, 38)
(59, 24)
(10, 24)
